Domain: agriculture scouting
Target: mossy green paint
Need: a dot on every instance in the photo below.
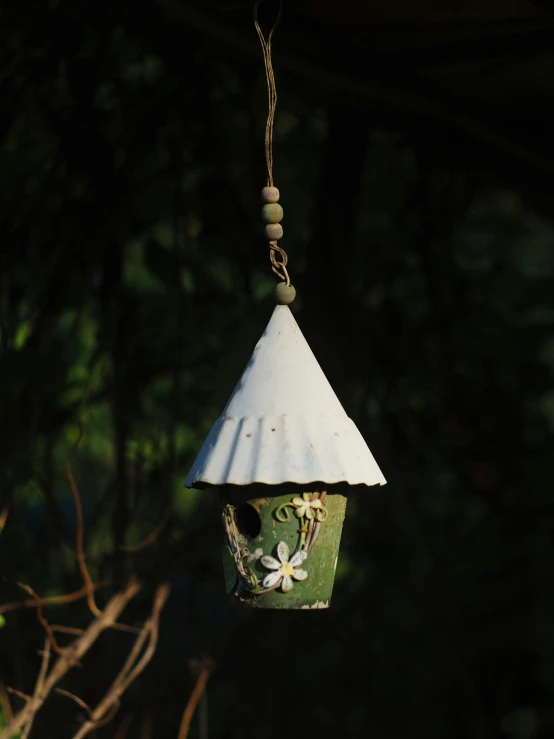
(272, 213)
(316, 590)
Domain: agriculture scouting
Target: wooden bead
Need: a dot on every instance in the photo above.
(272, 213)
(273, 231)
(270, 195)
(284, 294)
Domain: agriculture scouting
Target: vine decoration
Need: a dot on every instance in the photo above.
(283, 569)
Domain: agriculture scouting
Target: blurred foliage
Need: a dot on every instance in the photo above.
(133, 287)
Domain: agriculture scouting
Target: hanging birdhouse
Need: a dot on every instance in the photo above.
(284, 456)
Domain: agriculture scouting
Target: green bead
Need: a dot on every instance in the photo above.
(284, 294)
(272, 213)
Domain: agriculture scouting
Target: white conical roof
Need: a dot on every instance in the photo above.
(283, 422)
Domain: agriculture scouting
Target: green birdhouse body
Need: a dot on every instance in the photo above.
(282, 543)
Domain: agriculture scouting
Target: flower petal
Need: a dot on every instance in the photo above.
(299, 512)
(271, 579)
(297, 501)
(283, 552)
(298, 558)
(307, 496)
(309, 513)
(316, 503)
(286, 585)
(270, 562)
(299, 574)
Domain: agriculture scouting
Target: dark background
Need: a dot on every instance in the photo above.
(415, 158)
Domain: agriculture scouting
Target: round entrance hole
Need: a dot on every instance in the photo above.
(249, 522)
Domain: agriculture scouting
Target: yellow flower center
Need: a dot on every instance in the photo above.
(287, 570)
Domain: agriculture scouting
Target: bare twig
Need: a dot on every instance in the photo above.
(196, 667)
(5, 703)
(71, 656)
(19, 694)
(44, 623)
(146, 730)
(127, 629)
(84, 706)
(151, 538)
(124, 726)
(40, 681)
(79, 545)
(75, 698)
(132, 667)
(192, 702)
(54, 600)
(67, 630)
(109, 716)
(4, 513)
(44, 664)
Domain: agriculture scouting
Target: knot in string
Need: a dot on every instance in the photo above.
(279, 266)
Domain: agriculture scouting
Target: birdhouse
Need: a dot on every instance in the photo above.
(284, 456)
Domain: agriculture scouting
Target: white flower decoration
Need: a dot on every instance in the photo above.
(309, 507)
(284, 569)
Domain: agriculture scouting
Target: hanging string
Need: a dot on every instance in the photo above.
(271, 87)
(277, 254)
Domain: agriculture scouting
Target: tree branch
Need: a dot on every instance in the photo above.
(131, 668)
(71, 656)
(54, 600)
(79, 545)
(40, 681)
(151, 538)
(192, 702)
